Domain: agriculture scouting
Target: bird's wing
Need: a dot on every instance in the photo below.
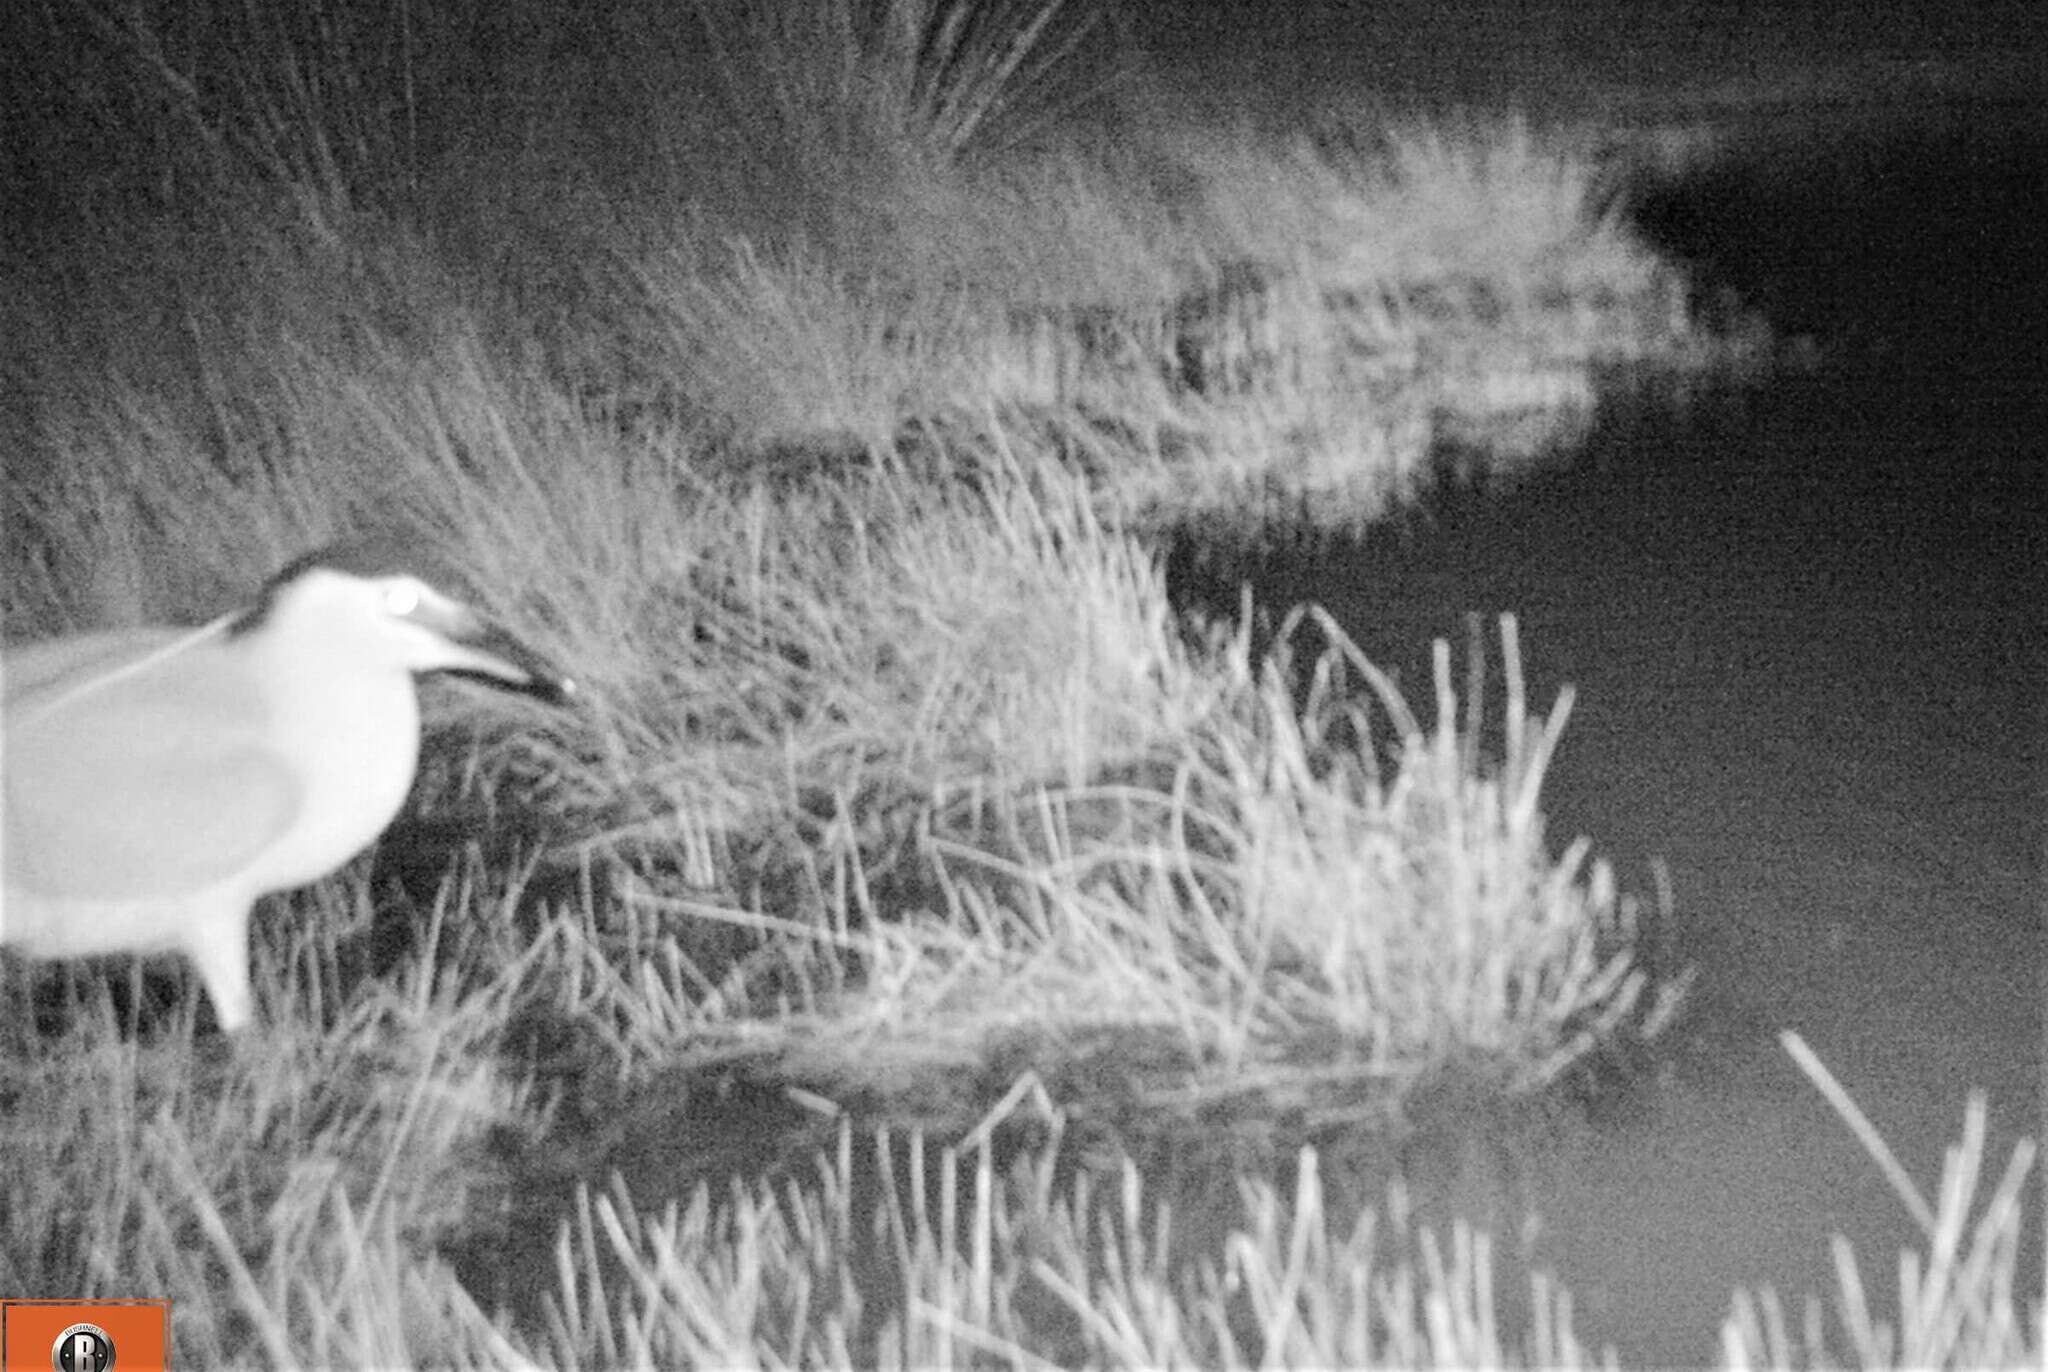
(148, 783)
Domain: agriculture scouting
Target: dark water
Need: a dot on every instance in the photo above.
(1807, 628)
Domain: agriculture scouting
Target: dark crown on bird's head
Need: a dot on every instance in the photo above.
(368, 556)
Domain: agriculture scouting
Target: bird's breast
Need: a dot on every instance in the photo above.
(354, 744)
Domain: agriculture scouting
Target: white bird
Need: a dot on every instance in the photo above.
(155, 782)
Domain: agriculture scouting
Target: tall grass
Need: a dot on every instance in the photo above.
(1019, 1267)
(1956, 1302)
(797, 223)
(278, 1192)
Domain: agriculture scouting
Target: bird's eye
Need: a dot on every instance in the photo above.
(401, 598)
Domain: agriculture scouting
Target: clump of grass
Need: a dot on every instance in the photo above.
(289, 1194)
(1257, 898)
(1956, 1303)
(1507, 203)
(1279, 891)
(968, 1264)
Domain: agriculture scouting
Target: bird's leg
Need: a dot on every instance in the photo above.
(218, 944)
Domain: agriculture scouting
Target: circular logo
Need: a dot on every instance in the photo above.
(82, 1348)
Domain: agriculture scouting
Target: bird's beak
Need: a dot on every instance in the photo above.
(492, 654)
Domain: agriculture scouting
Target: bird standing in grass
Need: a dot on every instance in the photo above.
(155, 782)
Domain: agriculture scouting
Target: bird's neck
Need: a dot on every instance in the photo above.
(354, 732)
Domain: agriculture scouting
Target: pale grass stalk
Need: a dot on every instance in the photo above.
(1957, 1306)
